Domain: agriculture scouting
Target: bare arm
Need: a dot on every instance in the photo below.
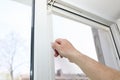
(93, 69)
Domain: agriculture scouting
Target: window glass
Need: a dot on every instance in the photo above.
(80, 35)
(15, 35)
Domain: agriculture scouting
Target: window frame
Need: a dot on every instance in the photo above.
(44, 63)
(43, 57)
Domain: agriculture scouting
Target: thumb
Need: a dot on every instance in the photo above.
(55, 46)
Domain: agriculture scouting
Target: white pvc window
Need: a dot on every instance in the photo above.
(47, 31)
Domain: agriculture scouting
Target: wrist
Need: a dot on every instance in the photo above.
(73, 57)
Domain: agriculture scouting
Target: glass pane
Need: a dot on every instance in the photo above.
(15, 39)
(80, 35)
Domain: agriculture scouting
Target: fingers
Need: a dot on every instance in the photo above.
(59, 41)
(56, 46)
(56, 53)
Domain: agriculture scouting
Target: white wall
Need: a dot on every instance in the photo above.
(108, 9)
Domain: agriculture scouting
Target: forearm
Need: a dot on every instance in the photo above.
(93, 69)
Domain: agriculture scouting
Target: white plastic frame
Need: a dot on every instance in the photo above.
(43, 56)
(109, 52)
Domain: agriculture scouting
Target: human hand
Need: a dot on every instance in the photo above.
(64, 48)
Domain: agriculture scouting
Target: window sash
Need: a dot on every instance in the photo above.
(43, 57)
